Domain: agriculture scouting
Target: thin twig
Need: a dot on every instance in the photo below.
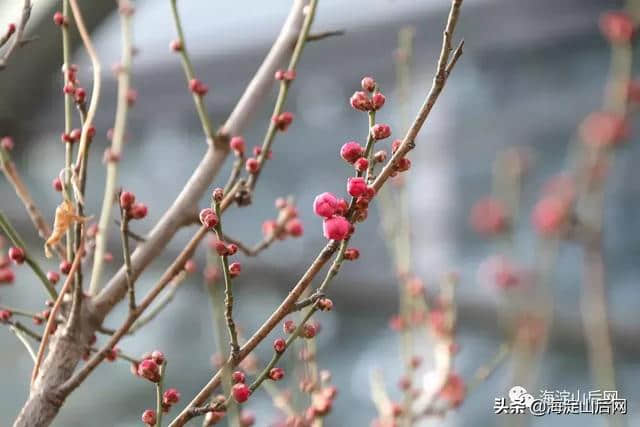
(228, 292)
(282, 94)
(17, 38)
(332, 246)
(439, 80)
(126, 254)
(11, 173)
(201, 107)
(25, 342)
(325, 34)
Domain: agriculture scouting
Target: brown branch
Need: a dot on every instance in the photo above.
(17, 38)
(54, 313)
(327, 252)
(184, 207)
(175, 268)
(442, 73)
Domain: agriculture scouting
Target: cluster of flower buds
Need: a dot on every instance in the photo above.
(72, 84)
(197, 87)
(335, 226)
(208, 218)
(149, 367)
(617, 27)
(286, 224)
(361, 100)
(132, 209)
(16, 256)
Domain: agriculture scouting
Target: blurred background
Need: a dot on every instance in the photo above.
(530, 72)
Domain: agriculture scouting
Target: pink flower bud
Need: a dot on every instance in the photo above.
(235, 268)
(356, 186)
(283, 120)
(279, 75)
(127, 199)
(289, 75)
(138, 211)
(294, 227)
(252, 165)
(617, 27)
(59, 19)
(149, 369)
(232, 248)
(276, 374)
(17, 255)
(131, 96)
(238, 377)
(325, 304)
(351, 151)
(380, 131)
(56, 184)
(53, 277)
(5, 315)
(342, 207)
(361, 164)
(220, 247)
(336, 228)
(208, 218)
(380, 156)
(240, 392)
(325, 205)
(80, 95)
(289, 326)
(360, 101)
(279, 345)
(149, 417)
(377, 101)
(171, 396)
(11, 28)
(197, 87)
(308, 330)
(351, 254)
(175, 45)
(190, 266)
(368, 84)
(403, 165)
(237, 144)
(65, 267)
